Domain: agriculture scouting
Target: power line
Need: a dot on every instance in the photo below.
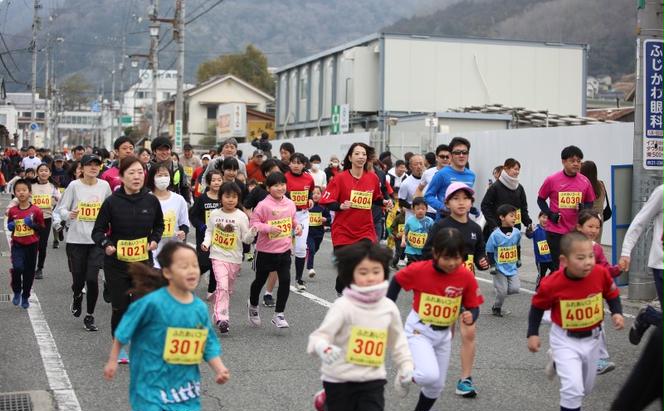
(193, 19)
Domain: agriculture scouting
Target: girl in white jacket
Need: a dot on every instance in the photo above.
(360, 327)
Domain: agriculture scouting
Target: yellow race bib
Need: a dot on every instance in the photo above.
(438, 310)
(189, 171)
(570, 199)
(88, 211)
(300, 198)
(543, 247)
(361, 199)
(366, 346)
(224, 239)
(315, 219)
(21, 229)
(470, 263)
(61, 190)
(416, 240)
(284, 224)
(582, 313)
(517, 214)
(42, 201)
(507, 255)
(184, 346)
(400, 228)
(132, 250)
(169, 224)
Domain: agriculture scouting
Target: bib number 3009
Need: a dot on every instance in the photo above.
(366, 346)
(184, 346)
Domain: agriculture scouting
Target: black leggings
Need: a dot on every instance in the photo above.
(554, 247)
(43, 242)
(542, 269)
(85, 261)
(355, 396)
(266, 263)
(119, 284)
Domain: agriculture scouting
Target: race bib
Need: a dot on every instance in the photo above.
(400, 228)
(366, 346)
(416, 240)
(284, 224)
(438, 310)
(184, 346)
(570, 199)
(169, 224)
(61, 190)
(517, 214)
(507, 255)
(132, 250)
(189, 171)
(21, 229)
(543, 247)
(470, 263)
(42, 201)
(315, 219)
(224, 239)
(361, 199)
(88, 211)
(581, 313)
(300, 198)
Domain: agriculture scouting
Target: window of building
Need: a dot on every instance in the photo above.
(40, 115)
(3, 119)
(212, 112)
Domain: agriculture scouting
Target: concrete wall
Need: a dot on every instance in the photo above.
(538, 151)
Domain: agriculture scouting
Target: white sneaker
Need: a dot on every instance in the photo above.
(312, 273)
(300, 286)
(550, 368)
(401, 263)
(254, 316)
(279, 320)
(85, 289)
(210, 297)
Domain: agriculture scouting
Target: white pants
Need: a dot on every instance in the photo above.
(302, 217)
(431, 355)
(576, 364)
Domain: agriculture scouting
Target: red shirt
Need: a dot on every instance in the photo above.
(422, 277)
(299, 189)
(356, 223)
(254, 171)
(23, 234)
(556, 290)
(196, 183)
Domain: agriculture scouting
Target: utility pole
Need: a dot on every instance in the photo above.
(178, 32)
(35, 29)
(647, 155)
(121, 68)
(46, 94)
(113, 116)
(154, 48)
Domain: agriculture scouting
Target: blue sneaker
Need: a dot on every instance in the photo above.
(604, 366)
(465, 388)
(17, 298)
(25, 303)
(123, 358)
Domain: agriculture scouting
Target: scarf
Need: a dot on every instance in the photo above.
(509, 182)
(367, 295)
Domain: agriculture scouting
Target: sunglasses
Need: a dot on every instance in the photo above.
(460, 152)
(443, 156)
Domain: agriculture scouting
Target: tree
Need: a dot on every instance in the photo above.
(250, 66)
(75, 91)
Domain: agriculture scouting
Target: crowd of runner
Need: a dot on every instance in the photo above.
(130, 211)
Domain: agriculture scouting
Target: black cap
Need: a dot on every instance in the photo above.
(90, 158)
(188, 147)
(160, 142)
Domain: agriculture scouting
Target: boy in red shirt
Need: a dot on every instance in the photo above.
(574, 295)
(23, 220)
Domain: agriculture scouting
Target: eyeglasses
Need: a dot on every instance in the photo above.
(460, 152)
(443, 156)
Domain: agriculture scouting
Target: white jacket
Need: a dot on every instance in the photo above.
(651, 212)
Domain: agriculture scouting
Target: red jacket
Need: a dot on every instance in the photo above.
(22, 234)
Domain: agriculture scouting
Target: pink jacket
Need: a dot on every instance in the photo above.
(600, 259)
(270, 213)
(112, 177)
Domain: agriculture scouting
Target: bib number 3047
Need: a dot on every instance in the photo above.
(366, 346)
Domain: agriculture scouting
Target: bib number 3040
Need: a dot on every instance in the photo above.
(366, 346)
(184, 346)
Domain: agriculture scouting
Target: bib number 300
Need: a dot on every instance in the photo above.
(184, 346)
(366, 346)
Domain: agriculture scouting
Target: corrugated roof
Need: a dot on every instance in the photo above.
(523, 117)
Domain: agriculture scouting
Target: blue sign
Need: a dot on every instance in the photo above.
(95, 107)
(653, 57)
(34, 126)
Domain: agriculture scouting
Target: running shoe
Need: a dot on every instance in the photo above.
(223, 326)
(56, 245)
(319, 400)
(639, 327)
(268, 300)
(25, 303)
(402, 263)
(465, 388)
(312, 273)
(17, 298)
(604, 366)
(300, 285)
(249, 256)
(279, 320)
(254, 316)
(210, 297)
(61, 233)
(550, 368)
(89, 323)
(499, 312)
(123, 358)
(76, 305)
(39, 274)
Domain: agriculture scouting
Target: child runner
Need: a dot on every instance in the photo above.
(357, 331)
(79, 208)
(574, 296)
(416, 231)
(227, 228)
(300, 184)
(199, 214)
(441, 287)
(502, 251)
(170, 334)
(275, 220)
(45, 195)
(590, 225)
(543, 259)
(319, 217)
(396, 230)
(24, 220)
(459, 200)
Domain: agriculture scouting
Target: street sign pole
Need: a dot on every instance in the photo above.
(647, 153)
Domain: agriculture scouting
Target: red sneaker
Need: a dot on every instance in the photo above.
(319, 400)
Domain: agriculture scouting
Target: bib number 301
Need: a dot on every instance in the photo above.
(184, 346)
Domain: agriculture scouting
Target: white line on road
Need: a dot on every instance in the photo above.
(312, 297)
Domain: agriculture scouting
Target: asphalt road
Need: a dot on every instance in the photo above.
(269, 367)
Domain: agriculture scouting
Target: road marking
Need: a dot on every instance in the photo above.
(56, 374)
(311, 297)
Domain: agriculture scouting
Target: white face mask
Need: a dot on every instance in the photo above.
(335, 164)
(315, 166)
(162, 182)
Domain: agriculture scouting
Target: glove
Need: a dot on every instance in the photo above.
(11, 225)
(328, 353)
(555, 217)
(402, 383)
(28, 221)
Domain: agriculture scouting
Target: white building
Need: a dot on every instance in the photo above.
(84, 127)
(137, 101)
(384, 75)
(22, 107)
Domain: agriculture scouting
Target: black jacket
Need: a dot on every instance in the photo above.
(497, 195)
(128, 217)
